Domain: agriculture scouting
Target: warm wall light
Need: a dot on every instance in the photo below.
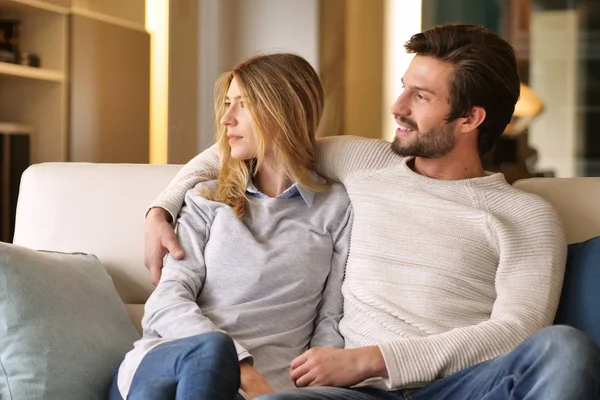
(529, 104)
(528, 107)
(157, 24)
(402, 20)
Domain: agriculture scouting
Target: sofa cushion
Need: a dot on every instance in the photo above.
(580, 299)
(63, 327)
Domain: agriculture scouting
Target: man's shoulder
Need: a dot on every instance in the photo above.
(352, 140)
(366, 147)
(521, 204)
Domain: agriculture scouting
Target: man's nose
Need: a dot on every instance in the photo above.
(400, 106)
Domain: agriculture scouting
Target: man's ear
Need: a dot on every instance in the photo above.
(474, 119)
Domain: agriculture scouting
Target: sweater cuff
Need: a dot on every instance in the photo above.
(170, 208)
(402, 370)
(243, 354)
(391, 364)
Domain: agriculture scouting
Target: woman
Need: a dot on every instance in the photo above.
(265, 249)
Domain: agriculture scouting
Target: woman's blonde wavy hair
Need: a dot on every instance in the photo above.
(284, 97)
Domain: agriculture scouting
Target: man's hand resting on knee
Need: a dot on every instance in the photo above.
(253, 383)
(160, 239)
(324, 366)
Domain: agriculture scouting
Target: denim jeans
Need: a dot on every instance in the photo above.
(196, 368)
(557, 363)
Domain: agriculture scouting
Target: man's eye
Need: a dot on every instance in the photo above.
(420, 97)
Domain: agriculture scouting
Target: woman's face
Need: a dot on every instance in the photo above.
(238, 122)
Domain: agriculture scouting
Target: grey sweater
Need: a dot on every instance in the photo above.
(271, 280)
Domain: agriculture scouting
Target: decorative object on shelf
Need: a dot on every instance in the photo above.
(9, 40)
(29, 59)
(10, 50)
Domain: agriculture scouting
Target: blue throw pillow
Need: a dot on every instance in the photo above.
(580, 300)
(63, 327)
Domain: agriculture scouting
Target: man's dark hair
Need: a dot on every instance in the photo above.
(485, 74)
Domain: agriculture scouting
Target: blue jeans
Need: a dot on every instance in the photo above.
(196, 368)
(557, 363)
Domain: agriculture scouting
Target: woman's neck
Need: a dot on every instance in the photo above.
(270, 179)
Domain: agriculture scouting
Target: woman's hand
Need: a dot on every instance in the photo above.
(252, 382)
(160, 239)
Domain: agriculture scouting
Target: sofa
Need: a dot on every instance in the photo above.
(99, 209)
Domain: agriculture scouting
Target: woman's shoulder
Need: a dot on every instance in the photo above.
(335, 196)
(338, 189)
(196, 201)
(203, 186)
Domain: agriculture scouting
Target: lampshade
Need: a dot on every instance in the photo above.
(529, 104)
(527, 108)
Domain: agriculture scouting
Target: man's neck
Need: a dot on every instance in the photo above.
(270, 179)
(449, 167)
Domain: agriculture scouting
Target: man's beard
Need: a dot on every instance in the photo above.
(435, 143)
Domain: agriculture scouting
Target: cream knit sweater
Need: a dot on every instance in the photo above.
(441, 275)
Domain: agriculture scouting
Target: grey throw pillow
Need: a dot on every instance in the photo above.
(63, 327)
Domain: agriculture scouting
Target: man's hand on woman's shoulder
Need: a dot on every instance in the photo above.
(160, 239)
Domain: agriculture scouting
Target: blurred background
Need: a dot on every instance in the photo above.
(130, 81)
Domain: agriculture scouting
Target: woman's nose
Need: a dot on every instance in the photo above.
(227, 119)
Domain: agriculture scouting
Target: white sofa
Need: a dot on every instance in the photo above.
(99, 209)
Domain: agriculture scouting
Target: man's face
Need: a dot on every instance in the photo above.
(421, 109)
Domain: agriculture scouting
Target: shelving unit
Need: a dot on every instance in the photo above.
(11, 128)
(89, 100)
(22, 71)
(29, 6)
(37, 97)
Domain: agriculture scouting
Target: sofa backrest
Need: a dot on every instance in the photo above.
(575, 199)
(99, 209)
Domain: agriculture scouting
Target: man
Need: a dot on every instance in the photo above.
(452, 273)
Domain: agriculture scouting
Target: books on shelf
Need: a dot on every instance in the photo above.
(11, 50)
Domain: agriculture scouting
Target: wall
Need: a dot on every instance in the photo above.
(109, 92)
(332, 65)
(553, 75)
(401, 20)
(132, 11)
(182, 125)
(273, 25)
(233, 30)
(364, 68)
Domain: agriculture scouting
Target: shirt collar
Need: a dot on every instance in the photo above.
(293, 191)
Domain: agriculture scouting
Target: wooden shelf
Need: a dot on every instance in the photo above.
(12, 128)
(31, 6)
(23, 71)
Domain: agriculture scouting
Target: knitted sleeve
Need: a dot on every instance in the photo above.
(532, 248)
